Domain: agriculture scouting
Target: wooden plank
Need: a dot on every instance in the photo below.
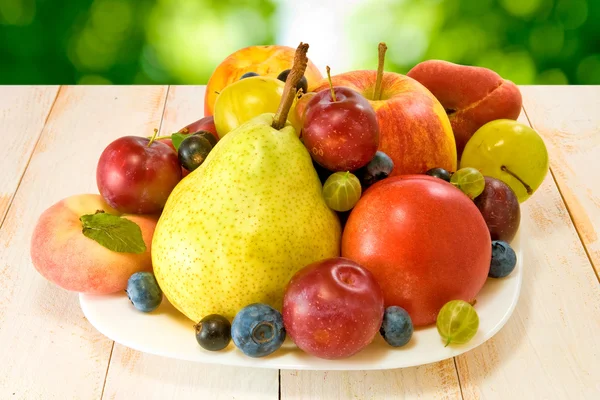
(136, 375)
(550, 348)
(432, 381)
(23, 111)
(185, 105)
(567, 117)
(133, 374)
(49, 350)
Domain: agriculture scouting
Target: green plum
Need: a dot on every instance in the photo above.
(510, 151)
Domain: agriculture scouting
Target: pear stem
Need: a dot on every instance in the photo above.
(330, 84)
(152, 138)
(377, 92)
(289, 91)
(508, 171)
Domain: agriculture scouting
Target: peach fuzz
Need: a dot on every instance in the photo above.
(264, 60)
(472, 96)
(63, 255)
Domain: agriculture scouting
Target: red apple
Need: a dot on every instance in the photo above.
(414, 129)
(340, 133)
(136, 175)
(332, 308)
(423, 239)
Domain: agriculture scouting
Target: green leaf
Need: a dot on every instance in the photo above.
(177, 138)
(113, 232)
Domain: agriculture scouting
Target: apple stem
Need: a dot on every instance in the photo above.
(508, 171)
(377, 92)
(330, 83)
(153, 138)
(289, 91)
(159, 137)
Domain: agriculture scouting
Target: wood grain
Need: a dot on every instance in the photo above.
(185, 104)
(140, 375)
(432, 381)
(567, 118)
(550, 347)
(49, 350)
(135, 375)
(23, 111)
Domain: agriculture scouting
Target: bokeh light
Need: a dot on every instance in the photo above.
(572, 13)
(17, 12)
(547, 39)
(588, 69)
(554, 76)
(522, 8)
(182, 41)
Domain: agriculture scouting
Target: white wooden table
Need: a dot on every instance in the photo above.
(51, 138)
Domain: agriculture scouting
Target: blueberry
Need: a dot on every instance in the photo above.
(213, 332)
(248, 75)
(257, 330)
(504, 259)
(143, 291)
(302, 84)
(439, 173)
(397, 327)
(380, 167)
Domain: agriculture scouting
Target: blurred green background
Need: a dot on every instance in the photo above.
(182, 41)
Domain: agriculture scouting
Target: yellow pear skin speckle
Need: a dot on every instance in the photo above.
(236, 229)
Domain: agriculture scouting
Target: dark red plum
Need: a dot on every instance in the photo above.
(333, 308)
(500, 209)
(135, 176)
(341, 134)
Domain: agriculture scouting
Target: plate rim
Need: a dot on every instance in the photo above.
(212, 358)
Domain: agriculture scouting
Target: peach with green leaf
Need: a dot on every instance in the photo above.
(83, 245)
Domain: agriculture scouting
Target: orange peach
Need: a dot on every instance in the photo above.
(264, 60)
(472, 96)
(63, 255)
(414, 129)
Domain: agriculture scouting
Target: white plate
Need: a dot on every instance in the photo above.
(166, 332)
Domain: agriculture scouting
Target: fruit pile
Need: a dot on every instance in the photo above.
(323, 210)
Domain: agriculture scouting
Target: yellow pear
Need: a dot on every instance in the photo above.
(236, 229)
